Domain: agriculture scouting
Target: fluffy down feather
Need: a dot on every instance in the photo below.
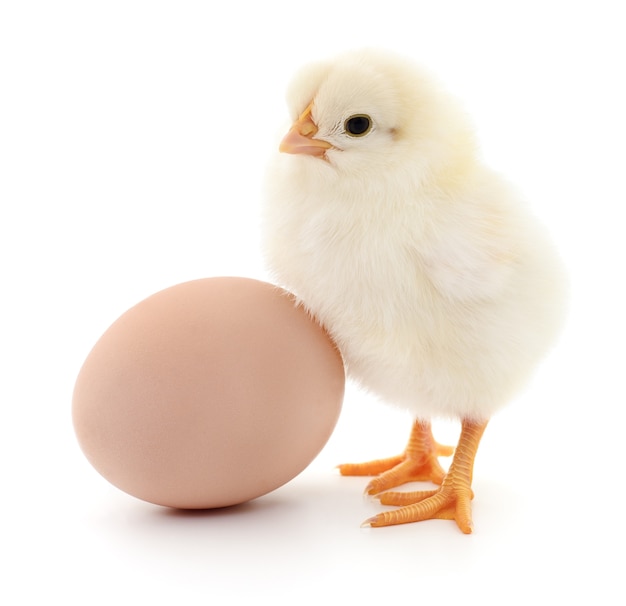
(440, 288)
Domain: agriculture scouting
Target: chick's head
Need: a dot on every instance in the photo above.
(369, 110)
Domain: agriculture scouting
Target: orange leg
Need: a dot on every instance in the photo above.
(451, 501)
(417, 463)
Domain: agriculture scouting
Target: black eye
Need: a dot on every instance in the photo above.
(359, 125)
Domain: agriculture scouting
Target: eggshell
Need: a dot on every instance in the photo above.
(207, 394)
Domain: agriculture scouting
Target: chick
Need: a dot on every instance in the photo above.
(439, 287)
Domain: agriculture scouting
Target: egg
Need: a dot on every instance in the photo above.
(208, 394)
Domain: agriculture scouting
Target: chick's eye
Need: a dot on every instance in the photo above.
(359, 125)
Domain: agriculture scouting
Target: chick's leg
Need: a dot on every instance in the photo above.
(417, 463)
(451, 501)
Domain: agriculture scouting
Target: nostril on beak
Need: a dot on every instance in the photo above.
(307, 128)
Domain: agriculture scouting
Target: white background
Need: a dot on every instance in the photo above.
(133, 141)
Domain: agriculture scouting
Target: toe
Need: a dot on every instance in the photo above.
(404, 498)
(371, 468)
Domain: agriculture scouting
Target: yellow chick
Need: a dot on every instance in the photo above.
(440, 288)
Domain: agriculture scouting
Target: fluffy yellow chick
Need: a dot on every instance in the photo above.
(439, 287)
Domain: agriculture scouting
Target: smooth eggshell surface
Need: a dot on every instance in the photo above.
(207, 394)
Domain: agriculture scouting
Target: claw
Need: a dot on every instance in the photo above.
(451, 501)
(418, 463)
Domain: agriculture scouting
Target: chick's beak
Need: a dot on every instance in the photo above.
(299, 139)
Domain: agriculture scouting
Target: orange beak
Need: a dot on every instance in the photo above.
(299, 139)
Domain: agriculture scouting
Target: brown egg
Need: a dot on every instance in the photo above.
(207, 394)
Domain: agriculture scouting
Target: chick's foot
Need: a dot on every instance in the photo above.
(444, 503)
(418, 463)
(451, 501)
